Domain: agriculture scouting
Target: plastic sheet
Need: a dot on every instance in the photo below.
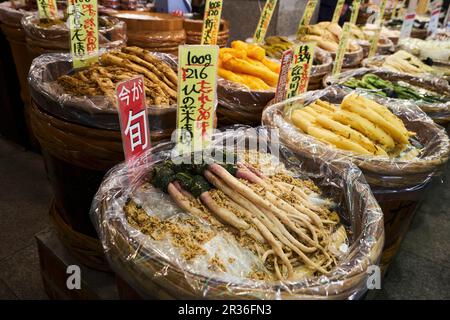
(12, 16)
(238, 104)
(55, 37)
(156, 269)
(439, 112)
(379, 171)
(94, 111)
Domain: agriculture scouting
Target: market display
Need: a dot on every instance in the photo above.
(248, 65)
(437, 50)
(358, 125)
(160, 80)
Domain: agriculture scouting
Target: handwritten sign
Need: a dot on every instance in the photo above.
(355, 11)
(343, 44)
(197, 98)
(374, 42)
(264, 21)
(211, 21)
(302, 60)
(307, 15)
(436, 6)
(408, 20)
(47, 9)
(286, 61)
(338, 11)
(130, 96)
(394, 10)
(83, 20)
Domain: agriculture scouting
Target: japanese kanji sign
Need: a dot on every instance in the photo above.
(374, 42)
(343, 44)
(264, 21)
(408, 20)
(83, 32)
(338, 11)
(197, 99)
(300, 70)
(355, 11)
(307, 15)
(394, 10)
(211, 21)
(286, 61)
(380, 17)
(130, 97)
(47, 9)
(435, 6)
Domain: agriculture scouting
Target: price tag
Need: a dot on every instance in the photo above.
(355, 11)
(408, 20)
(47, 9)
(286, 61)
(307, 15)
(300, 70)
(394, 10)
(211, 21)
(264, 21)
(380, 17)
(130, 96)
(436, 6)
(197, 96)
(343, 44)
(338, 11)
(83, 20)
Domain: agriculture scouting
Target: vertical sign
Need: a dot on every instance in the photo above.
(446, 23)
(338, 11)
(264, 21)
(436, 6)
(286, 61)
(130, 95)
(197, 99)
(394, 9)
(343, 44)
(307, 15)
(408, 20)
(211, 21)
(374, 42)
(47, 9)
(380, 17)
(355, 11)
(83, 32)
(300, 69)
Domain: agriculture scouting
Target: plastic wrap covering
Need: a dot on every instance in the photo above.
(380, 171)
(238, 104)
(12, 16)
(156, 267)
(47, 38)
(94, 111)
(436, 50)
(438, 111)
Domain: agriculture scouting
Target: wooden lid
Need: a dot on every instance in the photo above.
(149, 21)
(196, 25)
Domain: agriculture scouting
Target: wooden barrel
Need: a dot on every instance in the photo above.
(10, 20)
(158, 32)
(193, 28)
(42, 39)
(80, 143)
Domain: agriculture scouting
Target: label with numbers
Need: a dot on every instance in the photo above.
(300, 70)
(47, 9)
(211, 21)
(130, 95)
(355, 11)
(83, 19)
(307, 15)
(436, 6)
(286, 61)
(264, 21)
(408, 20)
(342, 49)
(338, 11)
(197, 96)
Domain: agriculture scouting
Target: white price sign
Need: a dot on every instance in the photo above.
(436, 6)
(408, 20)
